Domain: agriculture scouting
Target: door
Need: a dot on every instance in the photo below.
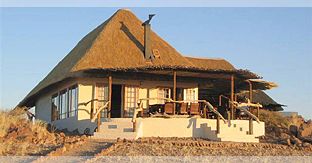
(116, 101)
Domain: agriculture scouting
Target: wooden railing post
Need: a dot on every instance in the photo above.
(98, 121)
(134, 126)
(218, 124)
(250, 126)
(141, 108)
(205, 111)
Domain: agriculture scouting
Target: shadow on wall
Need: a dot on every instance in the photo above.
(204, 131)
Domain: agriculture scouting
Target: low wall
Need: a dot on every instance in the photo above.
(193, 127)
(72, 123)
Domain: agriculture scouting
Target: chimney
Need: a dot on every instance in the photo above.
(147, 41)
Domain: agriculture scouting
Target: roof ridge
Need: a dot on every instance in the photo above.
(214, 58)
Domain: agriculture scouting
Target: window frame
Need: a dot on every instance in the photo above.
(130, 102)
(105, 95)
(67, 106)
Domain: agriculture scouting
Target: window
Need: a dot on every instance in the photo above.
(65, 103)
(167, 93)
(73, 101)
(163, 93)
(131, 99)
(55, 108)
(190, 94)
(102, 97)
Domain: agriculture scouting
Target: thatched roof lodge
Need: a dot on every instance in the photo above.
(121, 62)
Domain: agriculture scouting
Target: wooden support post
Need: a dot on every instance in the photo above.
(232, 96)
(92, 102)
(250, 126)
(250, 91)
(258, 111)
(220, 100)
(98, 121)
(134, 126)
(92, 107)
(174, 90)
(205, 112)
(110, 82)
(218, 124)
(141, 108)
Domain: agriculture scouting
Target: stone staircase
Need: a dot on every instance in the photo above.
(116, 128)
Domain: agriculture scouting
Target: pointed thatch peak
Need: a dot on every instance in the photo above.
(120, 45)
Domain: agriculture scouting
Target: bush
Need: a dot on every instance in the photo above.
(274, 118)
(18, 136)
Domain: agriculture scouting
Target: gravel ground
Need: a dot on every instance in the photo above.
(200, 147)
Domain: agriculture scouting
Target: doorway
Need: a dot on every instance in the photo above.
(116, 101)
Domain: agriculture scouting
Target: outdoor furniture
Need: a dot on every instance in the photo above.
(169, 108)
(194, 109)
(183, 108)
(156, 108)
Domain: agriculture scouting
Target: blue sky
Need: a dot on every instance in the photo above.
(275, 43)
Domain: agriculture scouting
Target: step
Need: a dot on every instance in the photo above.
(104, 120)
(235, 139)
(116, 124)
(115, 135)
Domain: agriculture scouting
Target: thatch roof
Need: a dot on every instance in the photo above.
(117, 44)
(259, 96)
(211, 63)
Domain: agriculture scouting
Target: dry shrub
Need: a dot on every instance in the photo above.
(18, 136)
(6, 120)
(274, 118)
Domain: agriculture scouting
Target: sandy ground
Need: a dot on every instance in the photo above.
(89, 148)
(200, 147)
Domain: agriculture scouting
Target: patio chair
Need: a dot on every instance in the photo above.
(169, 108)
(194, 109)
(183, 108)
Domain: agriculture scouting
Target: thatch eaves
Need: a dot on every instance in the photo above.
(211, 63)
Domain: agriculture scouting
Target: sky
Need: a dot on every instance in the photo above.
(275, 43)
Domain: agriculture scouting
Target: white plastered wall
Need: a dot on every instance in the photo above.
(194, 127)
(85, 93)
(80, 122)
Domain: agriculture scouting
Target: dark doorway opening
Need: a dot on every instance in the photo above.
(116, 101)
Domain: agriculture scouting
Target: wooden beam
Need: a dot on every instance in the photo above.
(232, 96)
(174, 90)
(110, 82)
